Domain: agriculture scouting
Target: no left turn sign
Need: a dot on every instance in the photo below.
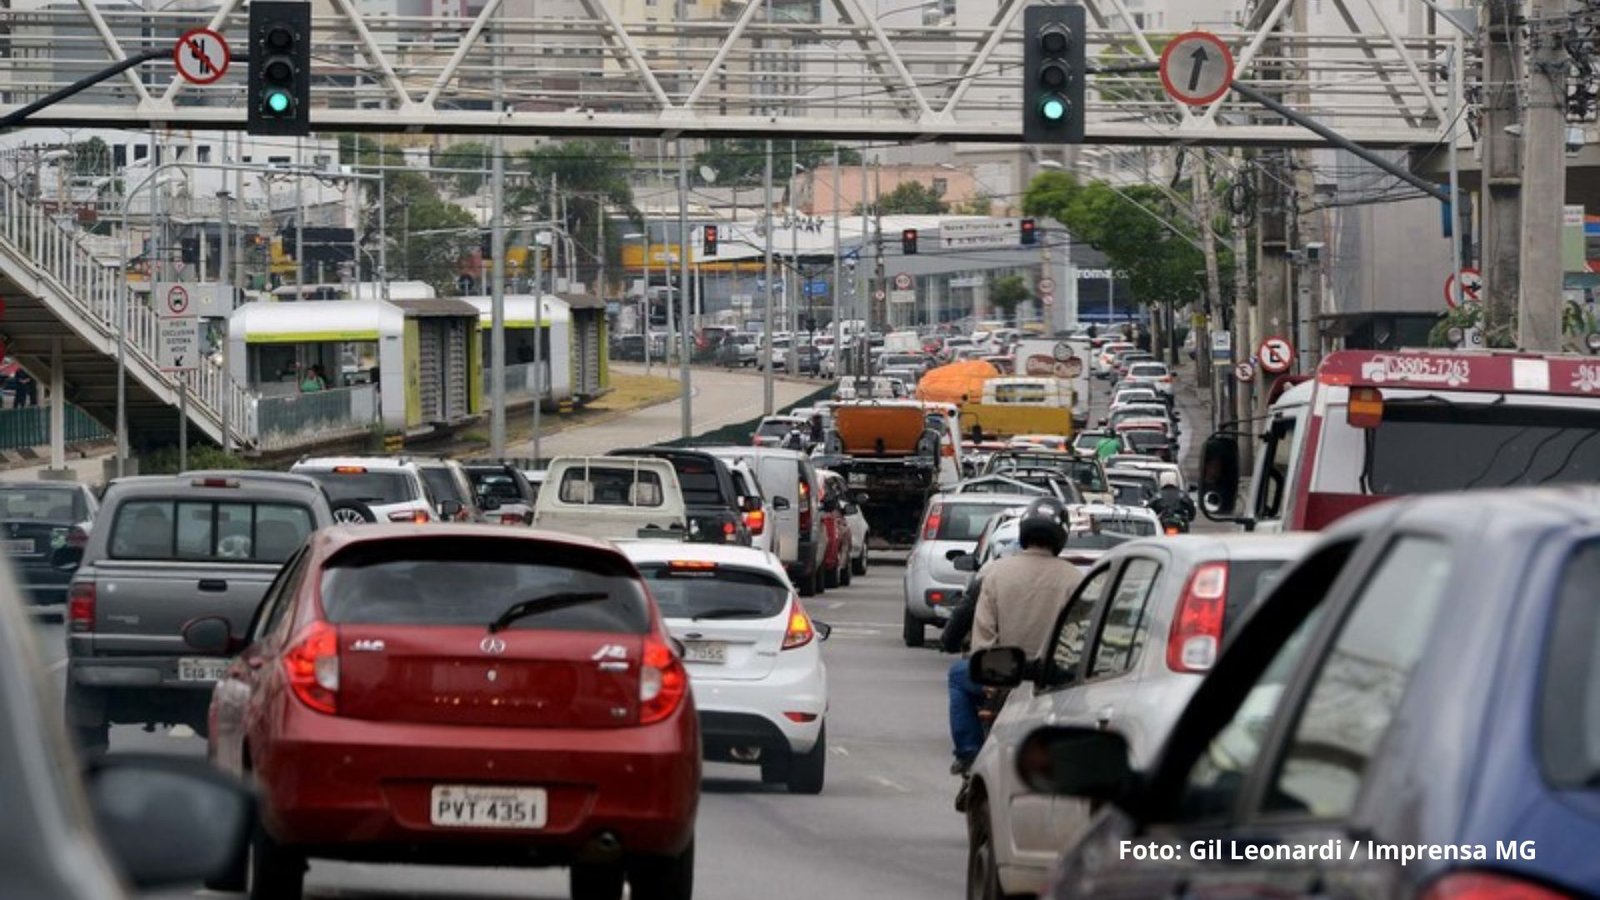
(1276, 355)
(201, 56)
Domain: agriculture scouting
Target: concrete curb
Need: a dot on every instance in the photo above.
(36, 457)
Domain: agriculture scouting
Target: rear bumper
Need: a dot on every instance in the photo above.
(917, 588)
(353, 789)
(751, 713)
(134, 690)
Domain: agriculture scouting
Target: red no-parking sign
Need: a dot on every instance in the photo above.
(1276, 355)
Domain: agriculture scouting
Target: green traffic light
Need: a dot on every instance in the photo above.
(278, 101)
(1053, 108)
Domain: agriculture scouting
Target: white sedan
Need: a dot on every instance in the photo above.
(753, 656)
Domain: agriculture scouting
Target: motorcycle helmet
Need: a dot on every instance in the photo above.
(1044, 522)
(1169, 478)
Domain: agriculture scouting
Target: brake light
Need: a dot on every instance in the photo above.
(729, 531)
(1172, 530)
(215, 482)
(662, 682)
(1197, 628)
(805, 506)
(697, 564)
(416, 517)
(800, 632)
(80, 607)
(756, 521)
(1488, 886)
(510, 519)
(930, 527)
(350, 470)
(312, 665)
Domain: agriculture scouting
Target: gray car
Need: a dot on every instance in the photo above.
(36, 519)
(142, 820)
(950, 529)
(1128, 649)
(166, 550)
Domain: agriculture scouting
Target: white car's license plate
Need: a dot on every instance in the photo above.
(714, 652)
(21, 545)
(465, 806)
(201, 669)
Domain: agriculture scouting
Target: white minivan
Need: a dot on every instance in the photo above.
(794, 489)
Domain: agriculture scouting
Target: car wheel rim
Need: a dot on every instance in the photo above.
(348, 517)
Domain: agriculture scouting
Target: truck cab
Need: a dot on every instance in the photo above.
(1372, 425)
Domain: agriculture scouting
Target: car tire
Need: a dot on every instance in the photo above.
(352, 512)
(596, 881)
(86, 716)
(912, 631)
(859, 566)
(808, 585)
(775, 767)
(983, 870)
(807, 771)
(830, 579)
(845, 573)
(662, 877)
(274, 872)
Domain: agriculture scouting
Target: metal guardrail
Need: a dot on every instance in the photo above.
(298, 419)
(29, 426)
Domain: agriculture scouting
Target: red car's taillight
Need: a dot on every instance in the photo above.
(800, 631)
(663, 683)
(930, 528)
(756, 521)
(510, 519)
(312, 665)
(1488, 886)
(80, 607)
(1197, 628)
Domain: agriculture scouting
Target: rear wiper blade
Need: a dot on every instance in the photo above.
(728, 613)
(542, 604)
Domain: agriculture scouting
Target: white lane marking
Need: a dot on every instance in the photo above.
(834, 604)
(840, 751)
(890, 784)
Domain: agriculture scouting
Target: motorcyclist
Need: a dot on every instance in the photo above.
(1171, 501)
(1016, 607)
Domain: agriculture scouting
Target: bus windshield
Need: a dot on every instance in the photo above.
(1429, 445)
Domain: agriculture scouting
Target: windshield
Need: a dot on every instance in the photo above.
(772, 428)
(418, 582)
(42, 504)
(700, 484)
(1428, 446)
(442, 485)
(1569, 733)
(964, 521)
(378, 488)
(718, 591)
(1130, 493)
(1143, 440)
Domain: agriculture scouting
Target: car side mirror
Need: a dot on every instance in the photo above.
(1001, 667)
(170, 820)
(210, 634)
(1068, 761)
(780, 503)
(66, 558)
(966, 562)
(449, 509)
(1219, 475)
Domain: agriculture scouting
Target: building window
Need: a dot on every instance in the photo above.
(140, 151)
(940, 185)
(203, 153)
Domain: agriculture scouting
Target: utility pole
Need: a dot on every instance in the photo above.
(880, 311)
(767, 399)
(1544, 178)
(1307, 219)
(1200, 183)
(224, 276)
(863, 294)
(683, 286)
(1502, 168)
(838, 310)
(497, 291)
(1244, 337)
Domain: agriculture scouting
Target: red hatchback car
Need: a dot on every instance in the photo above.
(461, 694)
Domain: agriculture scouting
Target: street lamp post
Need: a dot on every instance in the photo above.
(155, 179)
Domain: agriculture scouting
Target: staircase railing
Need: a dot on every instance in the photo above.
(67, 272)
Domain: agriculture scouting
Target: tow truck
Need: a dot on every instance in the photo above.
(1371, 425)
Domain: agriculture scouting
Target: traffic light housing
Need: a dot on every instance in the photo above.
(710, 241)
(908, 242)
(279, 98)
(1030, 233)
(1054, 70)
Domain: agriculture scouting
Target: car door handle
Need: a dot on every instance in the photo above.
(213, 585)
(1104, 716)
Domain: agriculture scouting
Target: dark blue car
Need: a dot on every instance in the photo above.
(1414, 711)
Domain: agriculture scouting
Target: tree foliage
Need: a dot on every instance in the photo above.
(910, 198)
(592, 175)
(1124, 224)
(978, 205)
(429, 237)
(1007, 293)
(472, 155)
(743, 161)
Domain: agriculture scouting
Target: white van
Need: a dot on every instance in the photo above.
(611, 498)
(794, 489)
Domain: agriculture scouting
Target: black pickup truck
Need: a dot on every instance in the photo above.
(716, 511)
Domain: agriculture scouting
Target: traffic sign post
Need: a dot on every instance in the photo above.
(1047, 286)
(1276, 355)
(1196, 68)
(1471, 287)
(176, 301)
(178, 343)
(902, 281)
(201, 55)
(1047, 299)
(1244, 371)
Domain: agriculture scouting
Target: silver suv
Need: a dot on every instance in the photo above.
(166, 550)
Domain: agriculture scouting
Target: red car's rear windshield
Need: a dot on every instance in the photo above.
(471, 581)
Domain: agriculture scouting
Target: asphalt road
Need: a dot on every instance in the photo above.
(718, 397)
(883, 828)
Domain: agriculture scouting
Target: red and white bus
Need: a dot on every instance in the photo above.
(1370, 425)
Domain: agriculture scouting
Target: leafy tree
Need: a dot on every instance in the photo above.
(472, 155)
(593, 176)
(979, 205)
(743, 161)
(1161, 267)
(910, 198)
(1007, 293)
(429, 237)
(91, 157)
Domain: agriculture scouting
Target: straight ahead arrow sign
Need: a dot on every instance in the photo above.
(1200, 57)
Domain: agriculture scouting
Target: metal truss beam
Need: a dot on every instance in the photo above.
(766, 68)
